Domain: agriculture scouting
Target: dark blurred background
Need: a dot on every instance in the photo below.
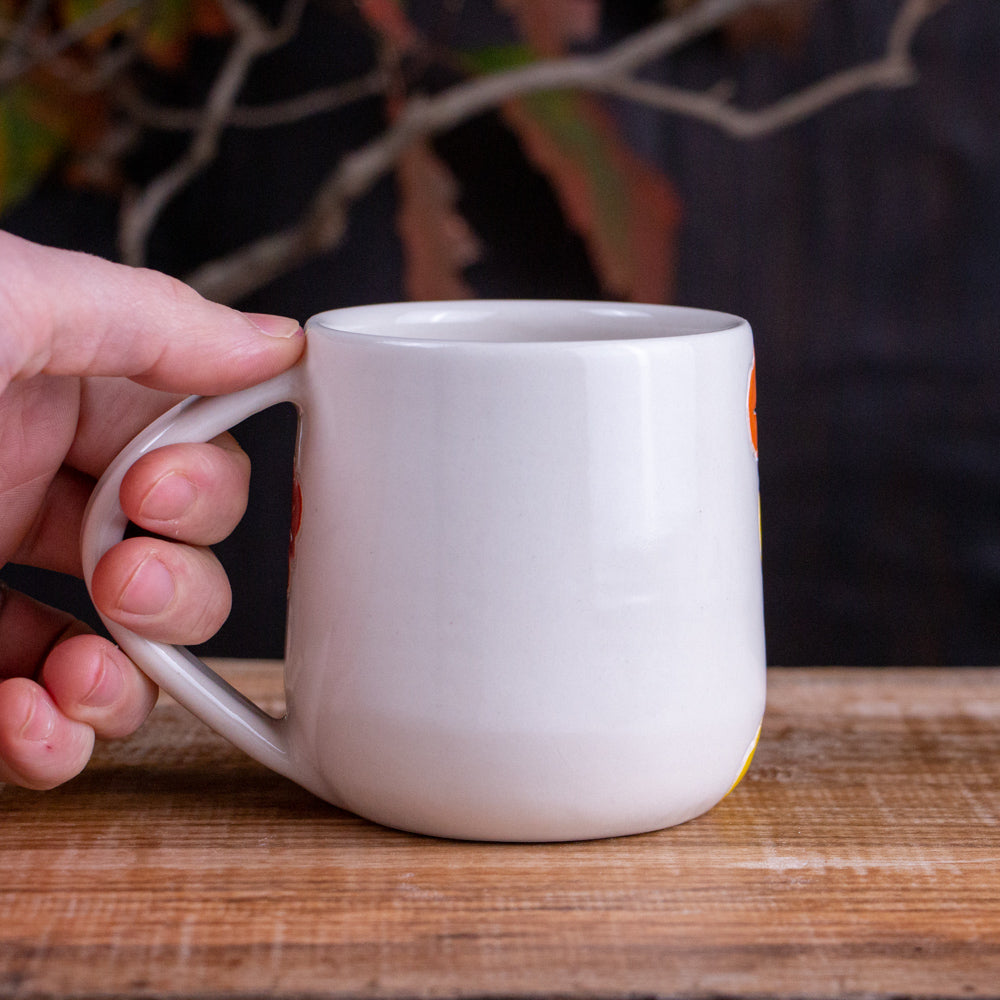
(862, 244)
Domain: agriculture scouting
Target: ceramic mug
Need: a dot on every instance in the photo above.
(525, 595)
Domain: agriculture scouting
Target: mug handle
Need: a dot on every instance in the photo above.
(174, 668)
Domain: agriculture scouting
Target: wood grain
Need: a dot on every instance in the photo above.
(858, 858)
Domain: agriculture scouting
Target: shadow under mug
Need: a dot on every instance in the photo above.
(525, 596)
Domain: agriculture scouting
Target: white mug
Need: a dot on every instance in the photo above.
(525, 596)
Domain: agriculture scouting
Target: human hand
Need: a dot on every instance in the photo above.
(91, 352)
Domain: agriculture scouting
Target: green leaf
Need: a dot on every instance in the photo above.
(169, 31)
(31, 138)
(76, 10)
(558, 114)
(576, 136)
(495, 58)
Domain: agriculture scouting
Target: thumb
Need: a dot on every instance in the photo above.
(68, 313)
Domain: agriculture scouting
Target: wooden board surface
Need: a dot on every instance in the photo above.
(861, 857)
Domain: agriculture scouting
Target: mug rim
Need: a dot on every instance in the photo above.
(399, 322)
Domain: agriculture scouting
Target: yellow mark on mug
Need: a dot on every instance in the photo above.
(747, 760)
(752, 403)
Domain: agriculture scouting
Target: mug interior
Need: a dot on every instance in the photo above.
(524, 321)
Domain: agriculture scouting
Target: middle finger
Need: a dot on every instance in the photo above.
(196, 493)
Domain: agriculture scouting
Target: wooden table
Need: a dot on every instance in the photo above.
(861, 857)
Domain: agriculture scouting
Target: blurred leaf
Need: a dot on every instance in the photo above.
(389, 19)
(626, 211)
(73, 11)
(166, 40)
(438, 243)
(32, 134)
(167, 26)
(46, 117)
(76, 10)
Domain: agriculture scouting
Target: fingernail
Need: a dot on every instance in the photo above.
(41, 720)
(149, 591)
(171, 497)
(108, 687)
(275, 326)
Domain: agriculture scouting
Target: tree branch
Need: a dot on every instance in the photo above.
(894, 69)
(21, 55)
(254, 38)
(262, 116)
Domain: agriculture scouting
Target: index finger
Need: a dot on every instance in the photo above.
(68, 313)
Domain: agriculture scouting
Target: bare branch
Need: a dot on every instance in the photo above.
(908, 22)
(22, 56)
(892, 70)
(263, 116)
(324, 223)
(669, 35)
(254, 38)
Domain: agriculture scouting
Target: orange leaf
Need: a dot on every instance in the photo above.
(627, 212)
(389, 19)
(437, 241)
